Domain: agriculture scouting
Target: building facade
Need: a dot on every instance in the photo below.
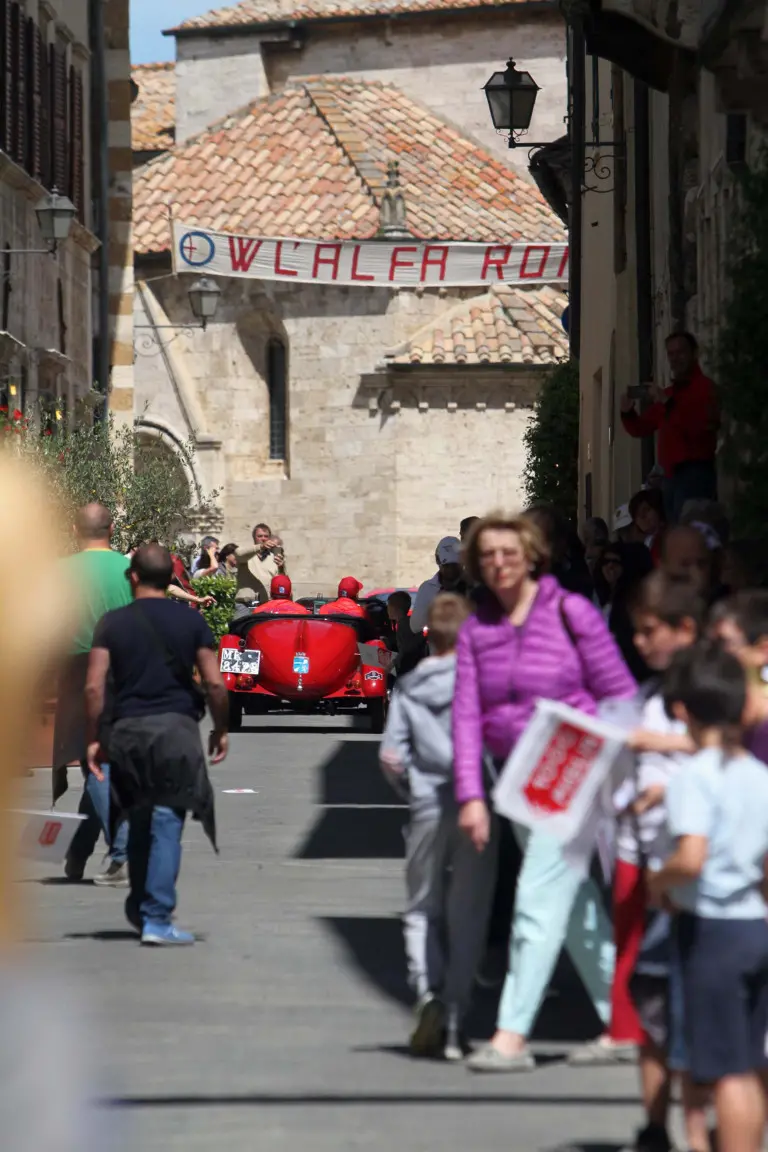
(361, 423)
(682, 92)
(438, 52)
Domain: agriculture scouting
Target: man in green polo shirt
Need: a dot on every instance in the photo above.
(99, 578)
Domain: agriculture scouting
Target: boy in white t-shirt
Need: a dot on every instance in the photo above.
(667, 619)
(716, 879)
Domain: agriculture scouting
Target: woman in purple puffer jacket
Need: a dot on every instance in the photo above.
(528, 640)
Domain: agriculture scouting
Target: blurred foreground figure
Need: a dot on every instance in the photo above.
(44, 1081)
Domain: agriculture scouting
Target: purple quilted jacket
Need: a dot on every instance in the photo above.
(502, 670)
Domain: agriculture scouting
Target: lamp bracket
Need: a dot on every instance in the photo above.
(150, 345)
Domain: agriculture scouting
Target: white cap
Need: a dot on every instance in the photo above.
(621, 517)
(449, 550)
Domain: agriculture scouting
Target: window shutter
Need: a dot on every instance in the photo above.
(46, 160)
(6, 76)
(59, 117)
(34, 101)
(76, 172)
(20, 95)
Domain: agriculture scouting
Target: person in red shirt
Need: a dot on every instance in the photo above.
(280, 599)
(685, 415)
(348, 592)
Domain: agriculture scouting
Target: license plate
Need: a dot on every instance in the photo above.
(242, 662)
(301, 664)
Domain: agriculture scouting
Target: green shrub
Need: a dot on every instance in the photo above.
(223, 588)
(551, 441)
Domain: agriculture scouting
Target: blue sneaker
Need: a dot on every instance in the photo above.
(164, 934)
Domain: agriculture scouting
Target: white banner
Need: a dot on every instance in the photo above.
(367, 263)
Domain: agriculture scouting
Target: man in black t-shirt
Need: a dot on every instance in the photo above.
(158, 770)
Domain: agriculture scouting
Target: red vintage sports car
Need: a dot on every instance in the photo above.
(306, 662)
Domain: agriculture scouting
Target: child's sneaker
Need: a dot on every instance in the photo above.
(427, 1036)
(652, 1138)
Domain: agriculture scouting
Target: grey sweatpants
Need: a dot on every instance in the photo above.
(450, 888)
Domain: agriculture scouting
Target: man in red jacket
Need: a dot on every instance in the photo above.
(348, 592)
(685, 415)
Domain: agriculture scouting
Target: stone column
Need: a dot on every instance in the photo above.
(118, 72)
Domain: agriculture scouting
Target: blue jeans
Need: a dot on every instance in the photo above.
(154, 860)
(94, 805)
(693, 480)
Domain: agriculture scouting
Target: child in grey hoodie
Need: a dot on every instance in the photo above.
(449, 883)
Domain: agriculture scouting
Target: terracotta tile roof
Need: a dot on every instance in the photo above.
(311, 162)
(506, 325)
(250, 12)
(153, 112)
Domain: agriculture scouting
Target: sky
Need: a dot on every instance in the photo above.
(149, 17)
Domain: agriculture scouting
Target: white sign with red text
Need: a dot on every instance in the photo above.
(46, 836)
(556, 770)
(368, 263)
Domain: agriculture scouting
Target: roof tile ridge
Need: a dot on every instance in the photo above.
(236, 114)
(340, 144)
(442, 318)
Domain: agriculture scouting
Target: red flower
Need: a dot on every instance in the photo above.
(17, 415)
(48, 432)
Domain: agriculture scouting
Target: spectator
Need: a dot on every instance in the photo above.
(685, 415)
(203, 564)
(98, 575)
(228, 561)
(740, 623)
(668, 619)
(180, 587)
(646, 509)
(567, 563)
(346, 601)
(622, 523)
(595, 539)
(531, 641)
(636, 566)
(709, 517)
(607, 573)
(466, 527)
(257, 564)
(411, 647)
(690, 556)
(717, 815)
(448, 578)
(281, 600)
(151, 649)
(449, 880)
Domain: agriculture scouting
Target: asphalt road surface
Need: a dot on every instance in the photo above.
(284, 1027)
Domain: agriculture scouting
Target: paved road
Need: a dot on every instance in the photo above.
(284, 1027)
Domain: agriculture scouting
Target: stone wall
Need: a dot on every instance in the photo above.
(442, 61)
(367, 489)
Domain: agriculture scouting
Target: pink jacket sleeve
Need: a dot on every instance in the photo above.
(606, 676)
(467, 724)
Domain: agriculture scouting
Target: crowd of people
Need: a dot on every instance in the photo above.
(670, 620)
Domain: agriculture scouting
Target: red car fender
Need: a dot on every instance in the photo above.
(374, 676)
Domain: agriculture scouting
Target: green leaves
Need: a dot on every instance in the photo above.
(219, 614)
(551, 441)
(143, 482)
(742, 355)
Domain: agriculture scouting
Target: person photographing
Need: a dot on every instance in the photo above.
(257, 564)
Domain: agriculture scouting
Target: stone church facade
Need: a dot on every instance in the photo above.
(361, 423)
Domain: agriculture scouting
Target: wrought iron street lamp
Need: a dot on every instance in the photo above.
(204, 297)
(55, 214)
(511, 97)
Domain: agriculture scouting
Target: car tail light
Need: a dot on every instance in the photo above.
(245, 683)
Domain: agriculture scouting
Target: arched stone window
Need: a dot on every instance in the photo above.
(277, 386)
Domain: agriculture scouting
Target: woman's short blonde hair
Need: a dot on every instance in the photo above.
(535, 546)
